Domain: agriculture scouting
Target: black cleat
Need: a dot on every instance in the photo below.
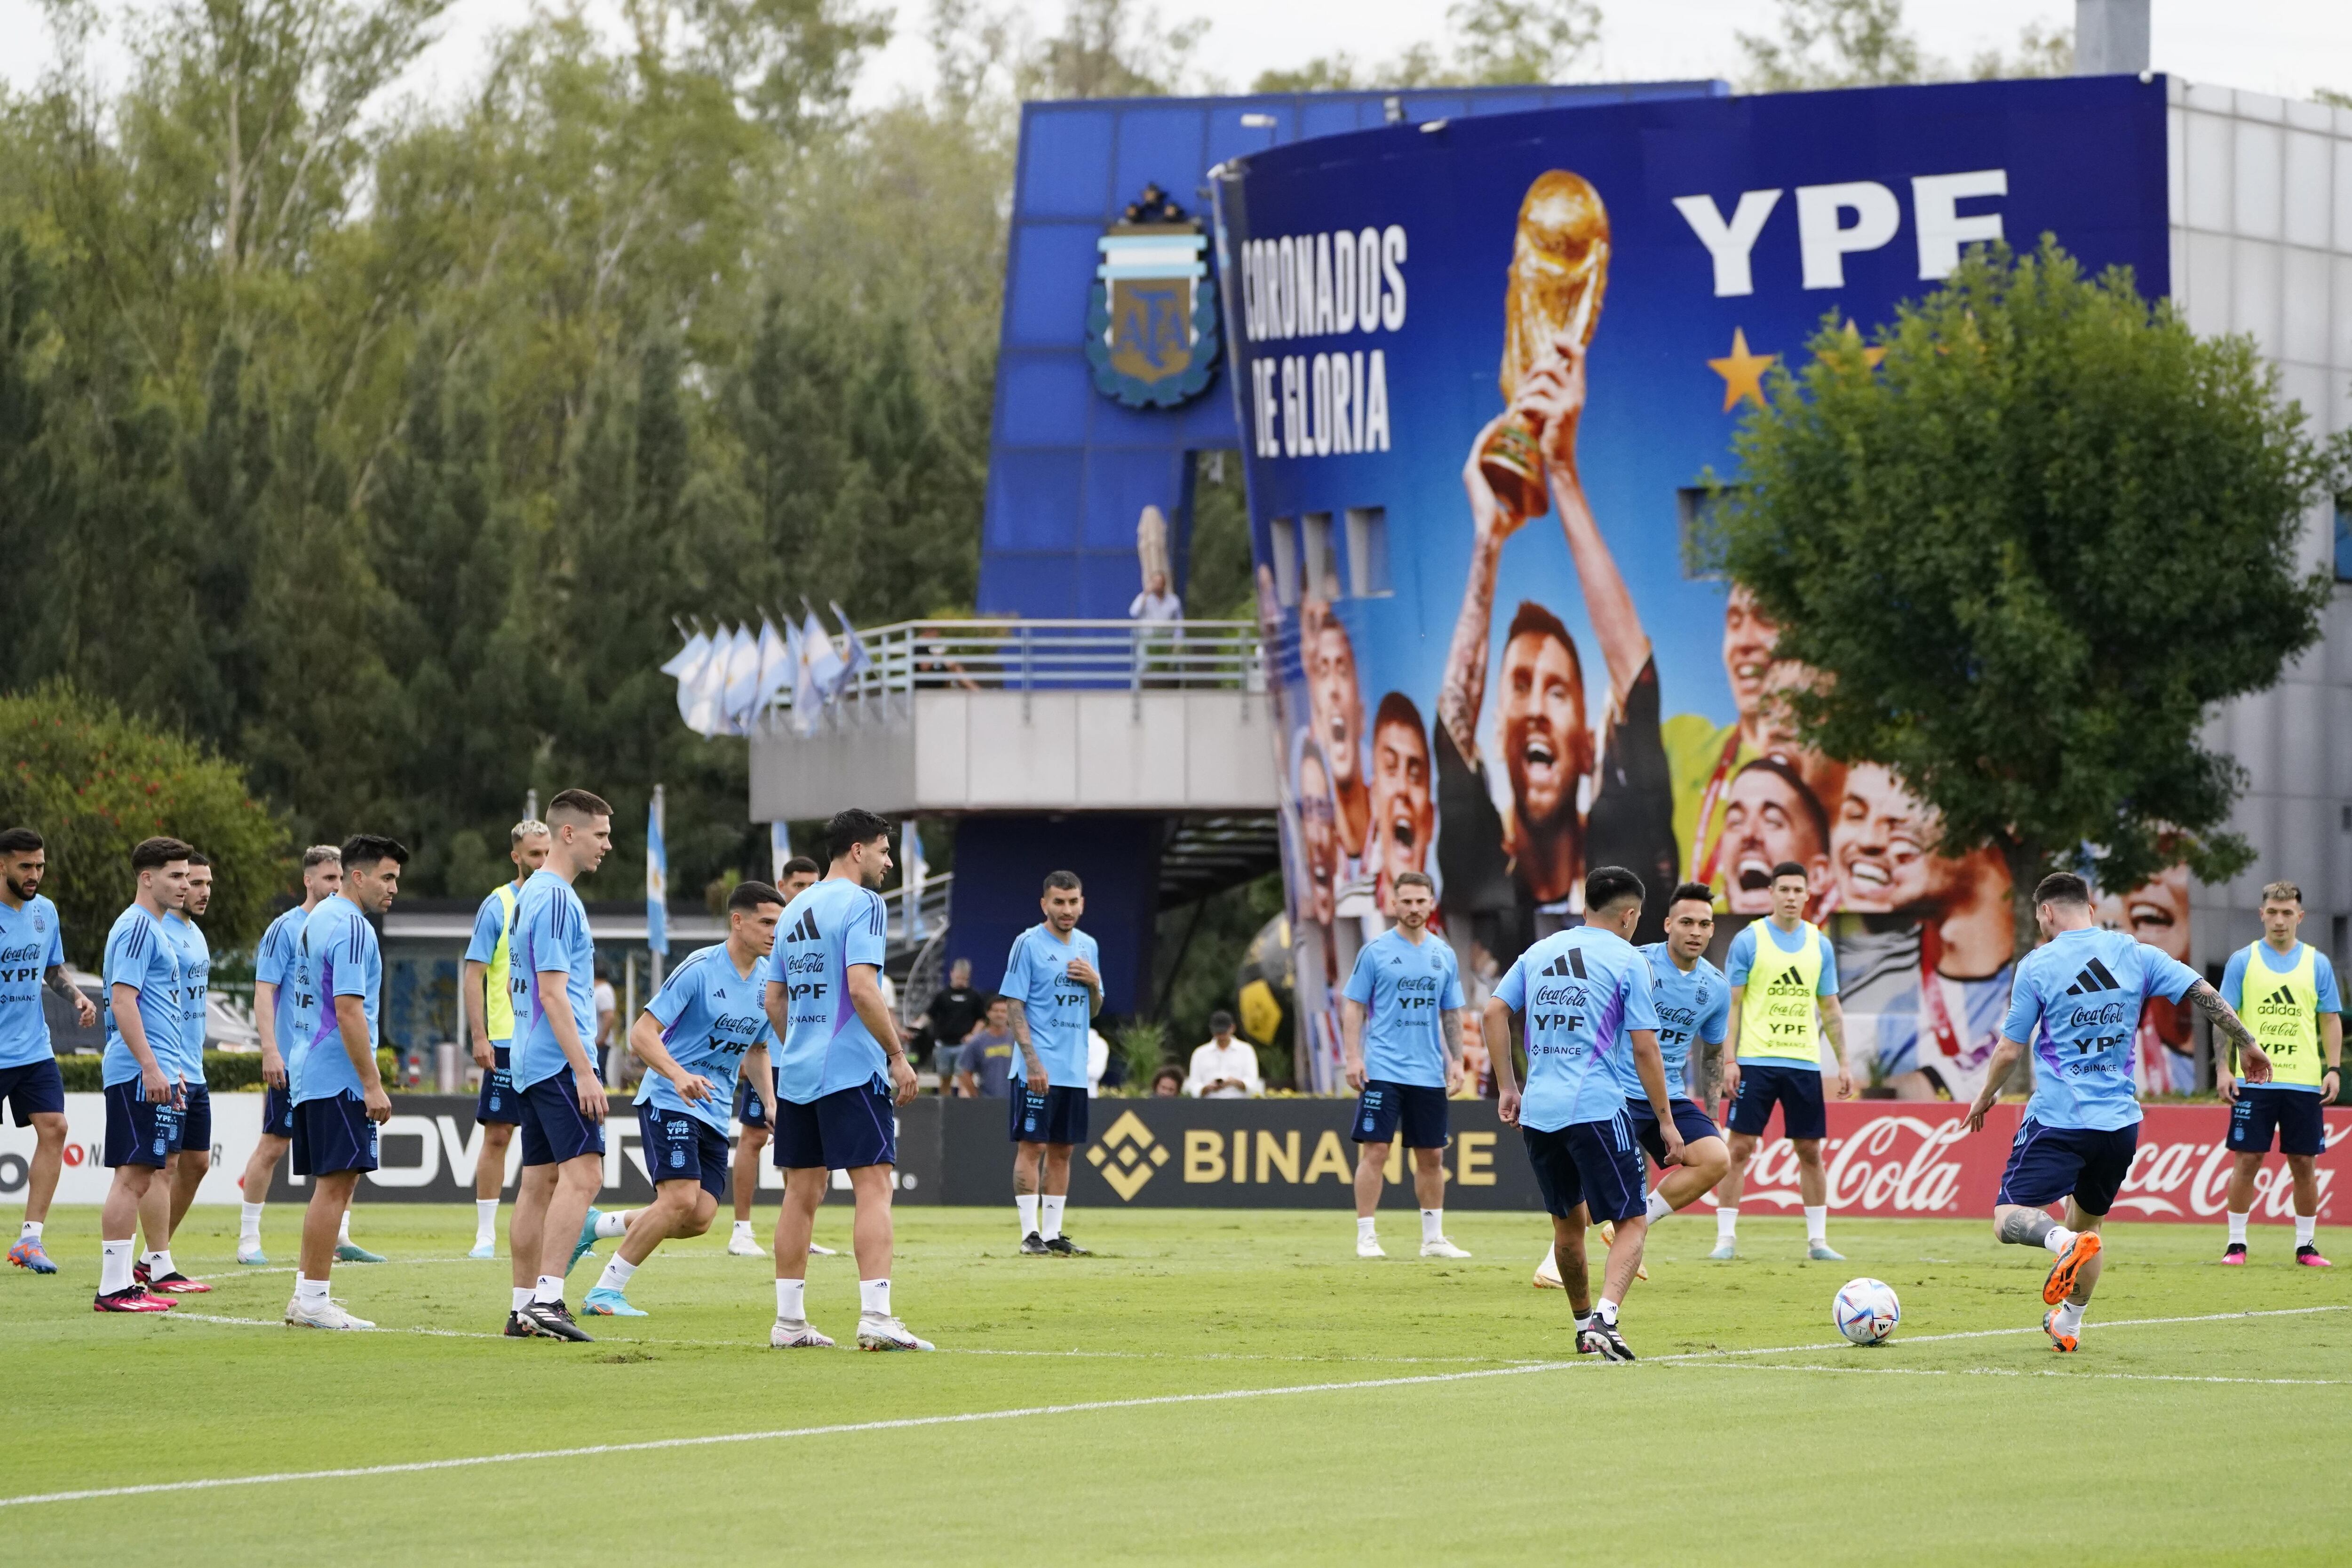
(1034, 1246)
(520, 1326)
(1603, 1339)
(553, 1319)
(1063, 1246)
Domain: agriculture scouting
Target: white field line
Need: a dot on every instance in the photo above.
(2017, 1372)
(968, 1418)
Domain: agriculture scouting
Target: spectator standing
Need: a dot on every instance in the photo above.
(983, 1064)
(1156, 607)
(954, 1008)
(1225, 1067)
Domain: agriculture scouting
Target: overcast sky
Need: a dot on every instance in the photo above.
(2284, 46)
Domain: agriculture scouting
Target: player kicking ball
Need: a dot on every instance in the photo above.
(1583, 1000)
(705, 1024)
(1400, 1021)
(840, 1068)
(2082, 1124)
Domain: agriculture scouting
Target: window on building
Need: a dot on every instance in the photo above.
(1322, 561)
(1285, 531)
(1368, 552)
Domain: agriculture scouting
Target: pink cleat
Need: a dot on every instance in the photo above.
(2234, 1254)
(2309, 1257)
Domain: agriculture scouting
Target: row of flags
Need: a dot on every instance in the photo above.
(725, 678)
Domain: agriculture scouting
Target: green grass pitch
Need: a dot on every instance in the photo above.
(1388, 1412)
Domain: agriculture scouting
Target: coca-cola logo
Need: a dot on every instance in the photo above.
(2094, 1018)
(2181, 1179)
(1890, 1164)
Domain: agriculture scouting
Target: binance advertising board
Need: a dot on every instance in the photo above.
(1484, 370)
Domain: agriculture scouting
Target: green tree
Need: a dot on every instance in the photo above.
(1495, 43)
(93, 783)
(2027, 554)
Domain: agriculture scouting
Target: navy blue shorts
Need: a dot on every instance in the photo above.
(2291, 1113)
(139, 1131)
(1689, 1121)
(844, 1130)
(1384, 1105)
(497, 1101)
(2047, 1163)
(682, 1147)
(1596, 1164)
(1056, 1116)
(278, 1113)
(332, 1135)
(554, 1129)
(196, 1120)
(1796, 1089)
(747, 1105)
(33, 1088)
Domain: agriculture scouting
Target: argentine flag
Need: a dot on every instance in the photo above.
(656, 880)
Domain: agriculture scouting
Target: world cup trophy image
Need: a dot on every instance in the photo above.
(1559, 267)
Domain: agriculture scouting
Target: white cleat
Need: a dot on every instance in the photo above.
(1368, 1247)
(1441, 1247)
(484, 1251)
(816, 1251)
(329, 1316)
(887, 1334)
(1548, 1274)
(794, 1334)
(744, 1246)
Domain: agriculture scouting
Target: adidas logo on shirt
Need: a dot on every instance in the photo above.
(2283, 996)
(804, 929)
(2094, 978)
(1567, 963)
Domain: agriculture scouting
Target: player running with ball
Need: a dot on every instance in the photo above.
(1584, 996)
(2077, 999)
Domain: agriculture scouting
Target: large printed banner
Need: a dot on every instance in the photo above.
(1486, 370)
(1885, 1159)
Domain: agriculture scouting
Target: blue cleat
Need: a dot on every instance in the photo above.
(29, 1254)
(603, 1303)
(1724, 1253)
(352, 1252)
(587, 1241)
(1821, 1252)
(487, 1249)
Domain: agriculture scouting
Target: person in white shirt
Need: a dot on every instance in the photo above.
(1225, 1067)
(1156, 602)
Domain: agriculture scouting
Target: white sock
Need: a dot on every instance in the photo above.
(551, 1289)
(160, 1263)
(616, 1274)
(1726, 1223)
(617, 1224)
(2306, 1229)
(873, 1297)
(1050, 1223)
(1583, 1320)
(789, 1296)
(1365, 1230)
(113, 1267)
(32, 1231)
(1659, 1207)
(310, 1292)
(248, 1224)
(343, 1229)
(1817, 1224)
(1433, 1225)
(2238, 1228)
(486, 1220)
(1606, 1312)
(521, 1297)
(2069, 1317)
(742, 1230)
(1027, 1204)
(2059, 1240)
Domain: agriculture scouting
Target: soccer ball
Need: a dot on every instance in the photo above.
(1866, 1312)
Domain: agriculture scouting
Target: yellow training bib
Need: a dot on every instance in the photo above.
(1777, 1016)
(2282, 1011)
(501, 1004)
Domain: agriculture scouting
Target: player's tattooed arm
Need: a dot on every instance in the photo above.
(2226, 1023)
(56, 981)
(1017, 1017)
(1450, 1026)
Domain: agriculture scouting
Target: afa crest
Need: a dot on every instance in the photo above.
(1151, 327)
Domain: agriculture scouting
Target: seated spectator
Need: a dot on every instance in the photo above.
(1167, 1083)
(983, 1066)
(1225, 1067)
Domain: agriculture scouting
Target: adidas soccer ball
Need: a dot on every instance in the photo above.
(1866, 1312)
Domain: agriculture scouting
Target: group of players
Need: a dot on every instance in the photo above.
(786, 1026)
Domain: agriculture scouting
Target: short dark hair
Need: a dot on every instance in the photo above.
(751, 897)
(2062, 888)
(19, 841)
(799, 864)
(1780, 768)
(1533, 619)
(1608, 887)
(1220, 1019)
(159, 852)
(320, 854)
(1066, 881)
(1687, 891)
(1417, 879)
(854, 826)
(578, 803)
(1399, 709)
(1790, 868)
(1168, 1072)
(368, 849)
(198, 857)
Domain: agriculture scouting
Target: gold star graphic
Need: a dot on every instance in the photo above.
(1742, 373)
(1852, 339)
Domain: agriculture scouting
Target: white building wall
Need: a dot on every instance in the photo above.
(2261, 200)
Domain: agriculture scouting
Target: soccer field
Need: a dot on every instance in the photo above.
(1211, 1385)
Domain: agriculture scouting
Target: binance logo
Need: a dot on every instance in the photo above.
(1127, 1155)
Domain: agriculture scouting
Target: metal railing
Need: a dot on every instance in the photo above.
(1039, 655)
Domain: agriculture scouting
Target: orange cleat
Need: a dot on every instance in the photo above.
(2069, 1267)
(2064, 1344)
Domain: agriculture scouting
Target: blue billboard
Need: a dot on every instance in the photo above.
(1482, 370)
